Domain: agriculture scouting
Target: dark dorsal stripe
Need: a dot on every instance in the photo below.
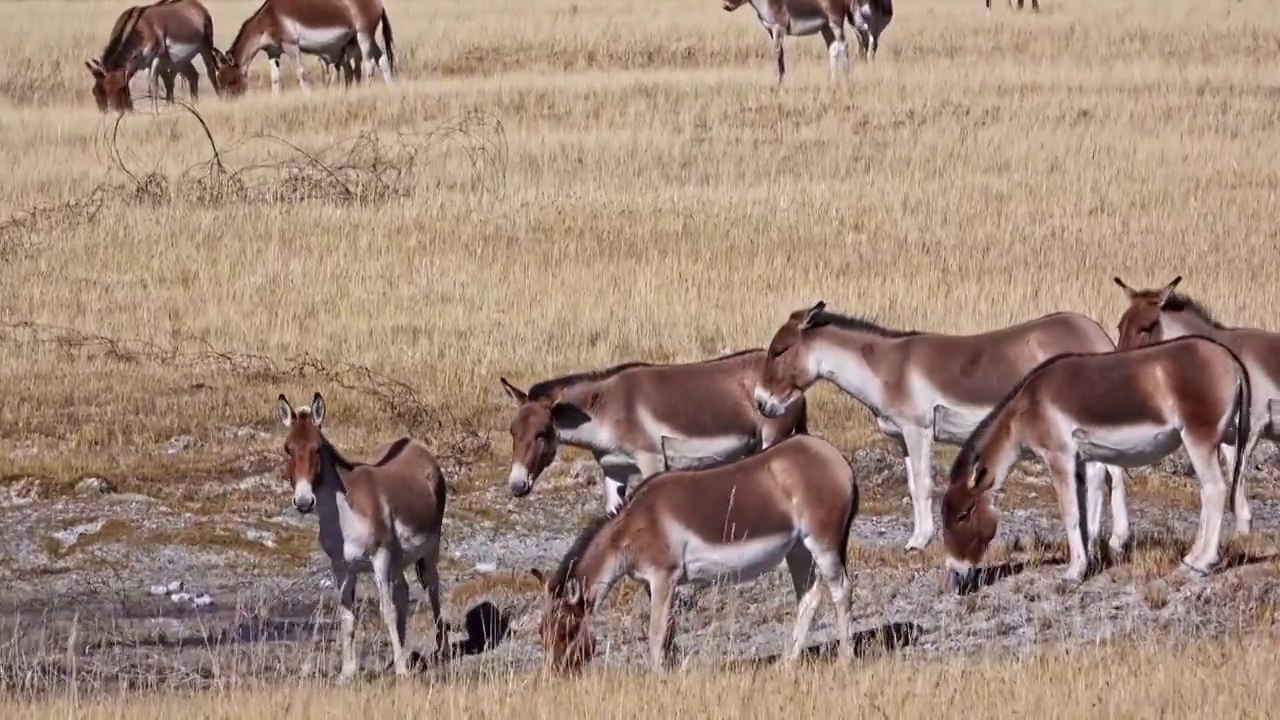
(1181, 303)
(232, 51)
(552, 387)
(120, 44)
(860, 324)
(579, 547)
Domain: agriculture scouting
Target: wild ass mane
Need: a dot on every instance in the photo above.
(576, 551)
(1178, 302)
(122, 42)
(969, 449)
(861, 324)
(550, 388)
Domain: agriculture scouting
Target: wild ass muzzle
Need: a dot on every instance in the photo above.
(921, 387)
(375, 517)
(793, 502)
(314, 27)
(162, 38)
(1129, 408)
(800, 18)
(620, 415)
(1158, 314)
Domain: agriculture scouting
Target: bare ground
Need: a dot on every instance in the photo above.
(88, 571)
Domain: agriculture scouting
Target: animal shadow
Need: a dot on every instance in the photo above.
(486, 627)
(889, 637)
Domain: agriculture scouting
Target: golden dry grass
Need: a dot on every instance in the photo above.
(661, 200)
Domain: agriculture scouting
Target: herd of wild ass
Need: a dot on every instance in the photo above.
(165, 37)
(710, 473)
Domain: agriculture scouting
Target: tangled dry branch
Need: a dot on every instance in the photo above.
(456, 440)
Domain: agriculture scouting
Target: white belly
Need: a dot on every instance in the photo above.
(181, 53)
(322, 41)
(1131, 446)
(808, 25)
(705, 563)
(954, 425)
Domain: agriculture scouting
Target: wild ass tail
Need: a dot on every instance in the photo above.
(387, 40)
(848, 521)
(802, 419)
(1244, 402)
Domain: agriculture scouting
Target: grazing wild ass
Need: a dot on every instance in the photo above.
(792, 502)
(377, 517)
(800, 18)
(922, 387)
(162, 38)
(314, 27)
(1129, 408)
(1160, 314)
(621, 413)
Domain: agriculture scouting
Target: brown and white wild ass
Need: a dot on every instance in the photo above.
(1127, 408)
(1035, 5)
(792, 502)
(314, 27)
(922, 387)
(162, 38)
(1162, 314)
(377, 517)
(799, 18)
(620, 415)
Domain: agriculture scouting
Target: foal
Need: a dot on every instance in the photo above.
(792, 502)
(376, 517)
(1128, 408)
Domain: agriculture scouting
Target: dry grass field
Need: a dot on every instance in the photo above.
(556, 185)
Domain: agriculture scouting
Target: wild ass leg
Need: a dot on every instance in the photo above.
(206, 56)
(615, 478)
(347, 600)
(1095, 476)
(779, 57)
(804, 577)
(1119, 510)
(393, 597)
(429, 579)
(295, 57)
(661, 628)
(837, 47)
(917, 444)
(830, 565)
(1063, 470)
(1213, 502)
(373, 55)
(273, 63)
(193, 81)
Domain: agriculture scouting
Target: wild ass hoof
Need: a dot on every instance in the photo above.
(1197, 570)
(1075, 574)
(918, 542)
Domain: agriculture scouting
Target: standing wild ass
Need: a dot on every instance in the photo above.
(314, 27)
(922, 387)
(792, 502)
(162, 38)
(1162, 314)
(620, 415)
(799, 18)
(375, 517)
(1035, 5)
(1128, 408)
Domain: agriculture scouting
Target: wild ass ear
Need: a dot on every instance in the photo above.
(813, 315)
(317, 409)
(1125, 287)
(514, 392)
(95, 68)
(1167, 290)
(977, 477)
(284, 411)
(538, 574)
(573, 591)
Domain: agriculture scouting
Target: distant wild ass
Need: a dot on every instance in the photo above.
(799, 18)
(1035, 5)
(922, 387)
(793, 502)
(620, 415)
(162, 38)
(1162, 314)
(377, 517)
(1129, 408)
(315, 27)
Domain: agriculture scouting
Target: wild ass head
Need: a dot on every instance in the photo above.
(565, 628)
(110, 88)
(968, 518)
(788, 368)
(231, 77)
(535, 434)
(731, 5)
(302, 448)
(1141, 322)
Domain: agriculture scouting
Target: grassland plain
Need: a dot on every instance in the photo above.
(639, 190)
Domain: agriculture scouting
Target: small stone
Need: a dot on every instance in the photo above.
(181, 443)
(202, 600)
(326, 583)
(180, 597)
(94, 486)
(486, 567)
(158, 590)
(175, 586)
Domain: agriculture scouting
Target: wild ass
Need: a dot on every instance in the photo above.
(792, 502)
(377, 517)
(162, 38)
(800, 18)
(1035, 5)
(1162, 314)
(620, 415)
(348, 62)
(1128, 408)
(314, 27)
(922, 387)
